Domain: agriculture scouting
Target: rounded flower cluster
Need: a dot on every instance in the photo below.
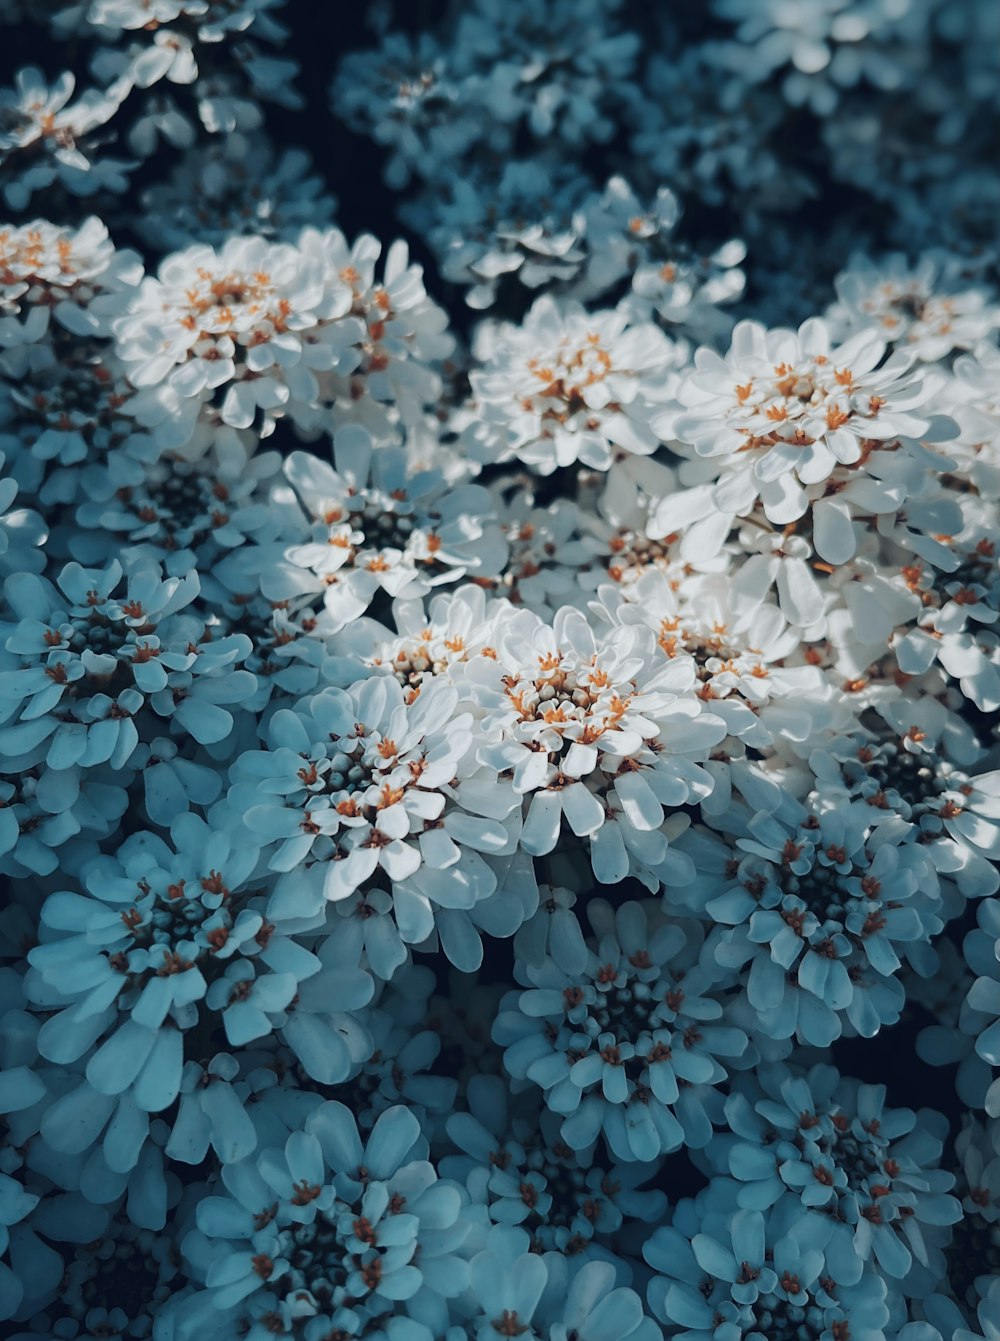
(357, 785)
(867, 1176)
(326, 1230)
(569, 386)
(788, 421)
(238, 332)
(629, 1045)
(598, 737)
(375, 527)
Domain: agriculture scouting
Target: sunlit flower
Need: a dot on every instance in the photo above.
(569, 386)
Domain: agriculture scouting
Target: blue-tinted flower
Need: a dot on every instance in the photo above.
(822, 909)
(404, 1060)
(84, 661)
(113, 1287)
(980, 1015)
(623, 1046)
(402, 95)
(820, 46)
(376, 526)
(514, 1162)
(947, 1321)
(35, 1232)
(47, 140)
(239, 185)
(867, 1173)
(974, 1252)
(359, 786)
(180, 514)
(737, 1277)
(331, 1222)
(160, 940)
(517, 1292)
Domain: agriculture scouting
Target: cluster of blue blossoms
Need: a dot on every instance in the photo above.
(500, 769)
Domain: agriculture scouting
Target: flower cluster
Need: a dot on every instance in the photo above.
(499, 686)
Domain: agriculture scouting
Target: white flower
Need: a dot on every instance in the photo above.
(741, 652)
(166, 37)
(974, 402)
(211, 20)
(618, 528)
(750, 671)
(548, 551)
(403, 338)
(376, 526)
(457, 627)
(924, 307)
(955, 621)
(43, 137)
(569, 385)
(783, 413)
(240, 332)
(360, 781)
(74, 276)
(627, 240)
(589, 728)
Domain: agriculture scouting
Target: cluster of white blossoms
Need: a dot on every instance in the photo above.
(568, 385)
(47, 139)
(232, 339)
(496, 764)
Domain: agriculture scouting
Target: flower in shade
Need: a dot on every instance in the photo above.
(512, 1159)
(242, 185)
(973, 1255)
(330, 1222)
(923, 307)
(739, 1276)
(820, 46)
(980, 1015)
(159, 941)
(515, 1291)
(46, 139)
(823, 908)
(623, 1046)
(85, 660)
(826, 1148)
(947, 1322)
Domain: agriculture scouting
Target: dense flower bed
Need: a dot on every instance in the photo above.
(500, 675)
